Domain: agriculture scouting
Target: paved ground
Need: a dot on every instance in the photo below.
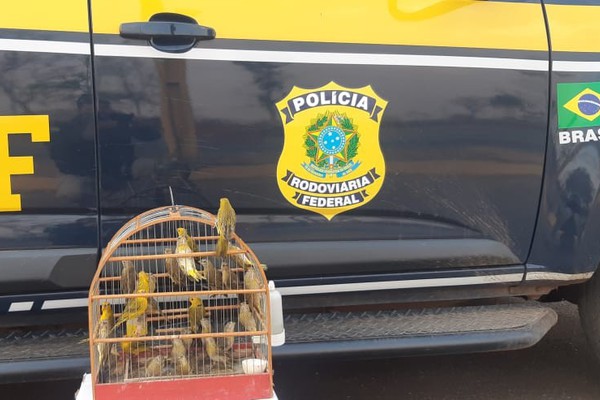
(558, 368)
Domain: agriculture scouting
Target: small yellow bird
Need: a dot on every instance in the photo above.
(226, 343)
(135, 327)
(213, 276)
(231, 280)
(186, 264)
(196, 312)
(188, 341)
(246, 318)
(145, 283)
(127, 277)
(241, 260)
(253, 281)
(205, 323)
(155, 366)
(152, 283)
(136, 306)
(188, 239)
(226, 276)
(179, 356)
(175, 273)
(225, 225)
(213, 351)
(103, 331)
(107, 314)
(153, 307)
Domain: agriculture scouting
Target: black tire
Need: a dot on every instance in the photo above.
(589, 312)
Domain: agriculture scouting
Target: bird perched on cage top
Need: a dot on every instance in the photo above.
(225, 225)
(103, 331)
(186, 264)
(127, 277)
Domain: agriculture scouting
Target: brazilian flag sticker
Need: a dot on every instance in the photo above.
(578, 105)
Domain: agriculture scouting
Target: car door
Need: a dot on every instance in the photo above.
(48, 203)
(565, 241)
(352, 137)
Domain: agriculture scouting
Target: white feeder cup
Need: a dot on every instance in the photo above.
(277, 328)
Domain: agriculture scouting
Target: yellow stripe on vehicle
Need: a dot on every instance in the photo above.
(574, 28)
(46, 15)
(451, 23)
(446, 23)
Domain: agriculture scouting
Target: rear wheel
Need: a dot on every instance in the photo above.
(589, 311)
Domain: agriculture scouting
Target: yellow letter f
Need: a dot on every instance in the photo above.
(39, 128)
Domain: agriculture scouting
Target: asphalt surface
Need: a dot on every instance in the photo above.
(559, 367)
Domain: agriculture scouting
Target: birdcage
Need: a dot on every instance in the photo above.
(167, 323)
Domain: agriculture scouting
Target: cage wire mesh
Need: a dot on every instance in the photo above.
(149, 320)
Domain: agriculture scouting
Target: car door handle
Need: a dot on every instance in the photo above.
(163, 30)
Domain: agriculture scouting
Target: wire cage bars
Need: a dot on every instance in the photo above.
(168, 318)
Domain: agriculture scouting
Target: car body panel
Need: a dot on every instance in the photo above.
(58, 198)
(569, 220)
(456, 138)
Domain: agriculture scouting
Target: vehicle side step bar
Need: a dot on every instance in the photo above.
(416, 332)
(30, 355)
(47, 353)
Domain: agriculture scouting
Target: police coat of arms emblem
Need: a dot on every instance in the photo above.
(331, 160)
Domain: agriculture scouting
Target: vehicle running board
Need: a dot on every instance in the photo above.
(30, 355)
(50, 353)
(416, 332)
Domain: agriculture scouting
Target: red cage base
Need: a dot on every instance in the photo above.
(230, 387)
